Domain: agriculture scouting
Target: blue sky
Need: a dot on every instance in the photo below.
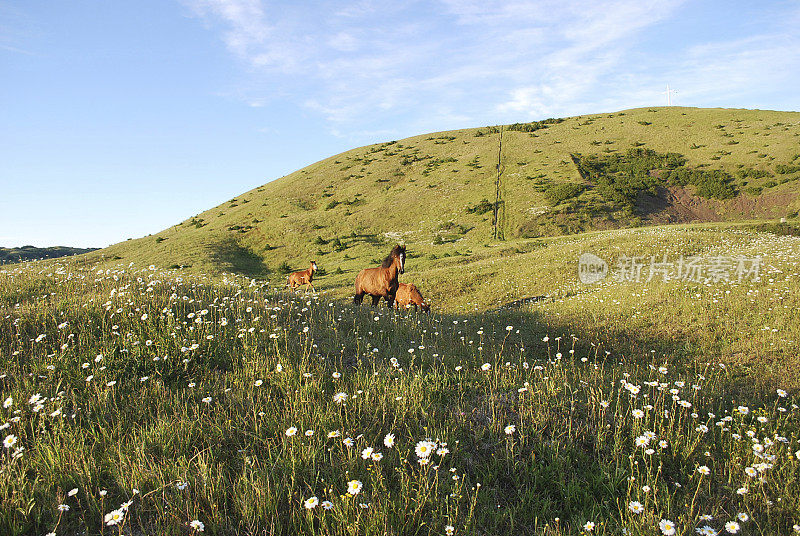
(119, 119)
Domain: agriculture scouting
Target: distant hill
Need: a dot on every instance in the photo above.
(31, 253)
(455, 193)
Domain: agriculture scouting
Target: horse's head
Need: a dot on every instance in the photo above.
(398, 255)
(313, 266)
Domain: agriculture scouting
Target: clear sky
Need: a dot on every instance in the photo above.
(119, 119)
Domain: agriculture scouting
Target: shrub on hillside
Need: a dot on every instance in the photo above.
(481, 208)
(559, 193)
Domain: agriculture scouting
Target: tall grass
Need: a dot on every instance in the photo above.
(174, 405)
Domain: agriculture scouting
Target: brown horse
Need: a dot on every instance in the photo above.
(303, 277)
(381, 282)
(408, 295)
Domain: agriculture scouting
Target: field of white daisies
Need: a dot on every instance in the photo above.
(136, 401)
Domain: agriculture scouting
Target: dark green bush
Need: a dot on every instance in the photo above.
(560, 193)
(481, 208)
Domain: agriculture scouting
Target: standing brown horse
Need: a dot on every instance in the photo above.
(303, 277)
(381, 282)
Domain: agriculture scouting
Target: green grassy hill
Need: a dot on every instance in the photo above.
(628, 405)
(439, 193)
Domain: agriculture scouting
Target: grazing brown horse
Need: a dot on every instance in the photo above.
(303, 277)
(381, 282)
(408, 295)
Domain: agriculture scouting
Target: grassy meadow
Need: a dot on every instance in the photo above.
(140, 399)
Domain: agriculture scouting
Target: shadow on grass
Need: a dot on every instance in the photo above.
(230, 256)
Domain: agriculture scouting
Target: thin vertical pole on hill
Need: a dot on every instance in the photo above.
(497, 183)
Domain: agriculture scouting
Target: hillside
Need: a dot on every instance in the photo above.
(439, 192)
(31, 253)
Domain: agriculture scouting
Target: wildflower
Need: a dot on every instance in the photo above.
(309, 433)
(636, 507)
(278, 368)
(604, 404)
(367, 452)
(742, 516)
(207, 400)
(388, 440)
(589, 526)
(335, 433)
(10, 441)
(751, 472)
(449, 530)
(641, 441)
(781, 393)
(258, 383)
(424, 448)
(704, 470)
(291, 431)
(510, 429)
(744, 410)
(8, 402)
(114, 517)
(354, 487)
(311, 503)
(336, 375)
(197, 525)
(348, 442)
(181, 485)
(486, 367)
(72, 492)
(706, 530)
(742, 491)
(637, 413)
(340, 397)
(732, 527)
(63, 507)
(327, 505)
(377, 456)
(667, 527)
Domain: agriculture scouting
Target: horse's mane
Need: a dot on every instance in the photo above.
(396, 251)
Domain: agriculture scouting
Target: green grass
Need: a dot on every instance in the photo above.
(186, 411)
